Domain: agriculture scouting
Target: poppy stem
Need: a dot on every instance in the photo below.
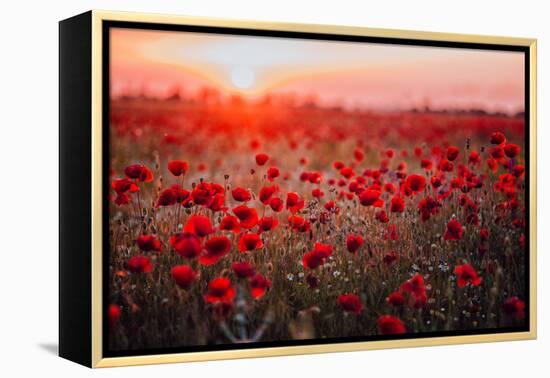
(139, 205)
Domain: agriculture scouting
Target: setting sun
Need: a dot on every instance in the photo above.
(242, 77)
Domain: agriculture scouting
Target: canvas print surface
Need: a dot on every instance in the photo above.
(278, 191)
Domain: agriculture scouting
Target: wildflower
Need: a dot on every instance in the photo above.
(186, 244)
(259, 284)
(261, 159)
(216, 247)
(250, 242)
(466, 274)
(220, 291)
(178, 167)
(354, 242)
(139, 264)
(350, 303)
(148, 243)
(454, 230)
(184, 276)
(390, 325)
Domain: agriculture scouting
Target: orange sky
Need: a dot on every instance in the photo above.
(374, 76)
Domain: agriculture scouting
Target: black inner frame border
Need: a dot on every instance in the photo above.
(107, 25)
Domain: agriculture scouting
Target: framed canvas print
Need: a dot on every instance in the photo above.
(235, 189)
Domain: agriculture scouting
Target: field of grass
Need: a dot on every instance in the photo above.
(236, 222)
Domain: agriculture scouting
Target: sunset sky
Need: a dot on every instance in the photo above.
(370, 76)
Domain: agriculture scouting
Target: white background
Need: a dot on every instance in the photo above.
(29, 178)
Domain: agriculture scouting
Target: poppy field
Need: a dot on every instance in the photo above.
(236, 221)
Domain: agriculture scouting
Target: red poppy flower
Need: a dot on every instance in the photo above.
(312, 260)
(216, 247)
(347, 172)
(261, 159)
(199, 225)
(350, 303)
(452, 153)
(266, 192)
(397, 205)
(338, 165)
(299, 224)
(186, 244)
(317, 193)
(416, 289)
(217, 203)
(139, 173)
(243, 269)
(124, 185)
(247, 216)
(454, 230)
(182, 196)
(416, 183)
(241, 194)
(317, 256)
(276, 204)
(184, 276)
(167, 197)
(358, 154)
(498, 138)
(293, 202)
(396, 299)
(436, 181)
(497, 152)
(258, 285)
(371, 197)
(230, 223)
(267, 224)
(512, 150)
(148, 243)
(114, 314)
(139, 264)
(389, 188)
(354, 242)
(250, 242)
(382, 216)
(426, 164)
(315, 177)
(391, 232)
(203, 193)
(304, 176)
(273, 173)
(515, 307)
(390, 325)
(427, 207)
(122, 199)
(220, 291)
(178, 167)
(492, 164)
(330, 206)
(518, 170)
(445, 165)
(474, 158)
(466, 274)
(484, 234)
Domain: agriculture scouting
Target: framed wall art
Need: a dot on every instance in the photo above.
(235, 189)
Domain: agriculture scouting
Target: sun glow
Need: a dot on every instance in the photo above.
(242, 77)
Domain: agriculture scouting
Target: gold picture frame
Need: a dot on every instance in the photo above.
(92, 355)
